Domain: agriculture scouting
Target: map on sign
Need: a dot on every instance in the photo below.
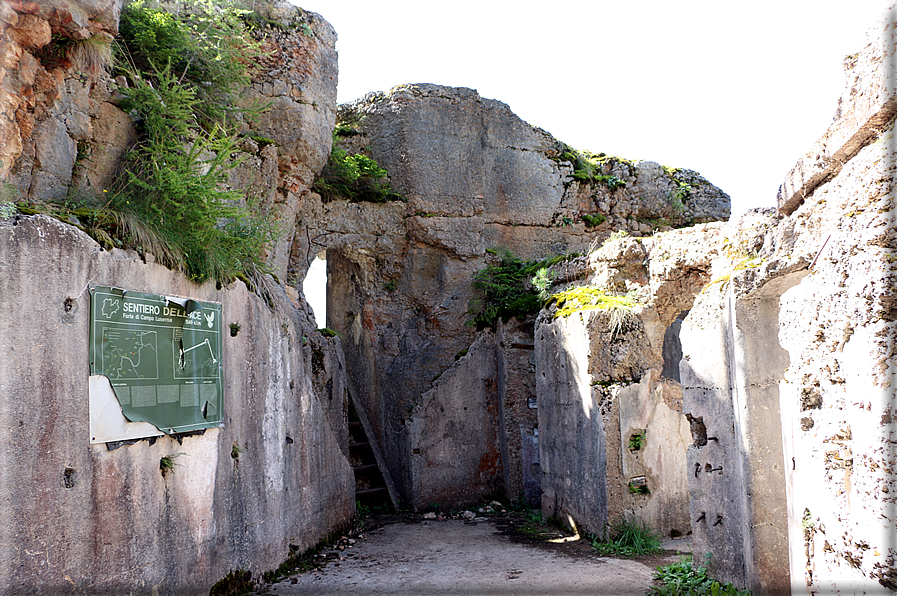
(133, 354)
(162, 356)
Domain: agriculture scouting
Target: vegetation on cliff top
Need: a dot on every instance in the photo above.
(578, 299)
(588, 167)
(184, 70)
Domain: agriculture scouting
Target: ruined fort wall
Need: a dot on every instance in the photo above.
(474, 178)
(102, 518)
(805, 364)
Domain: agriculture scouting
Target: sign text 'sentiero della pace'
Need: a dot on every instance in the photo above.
(162, 356)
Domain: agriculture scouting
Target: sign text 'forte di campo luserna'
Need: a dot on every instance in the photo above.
(161, 354)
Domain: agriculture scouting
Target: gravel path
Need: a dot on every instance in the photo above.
(463, 557)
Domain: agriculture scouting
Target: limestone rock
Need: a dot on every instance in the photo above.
(112, 133)
(461, 236)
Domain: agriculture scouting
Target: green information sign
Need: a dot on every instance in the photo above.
(161, 354)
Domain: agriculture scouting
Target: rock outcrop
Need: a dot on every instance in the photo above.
(475, 177)
(46, 108)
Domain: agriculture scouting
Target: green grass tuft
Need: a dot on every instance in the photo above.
(683, 579)
(628, 538)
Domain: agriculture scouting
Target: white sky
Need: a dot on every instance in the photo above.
(737, 91)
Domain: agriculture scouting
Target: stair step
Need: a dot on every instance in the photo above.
(357, 445)
(369, 491)
(364, 467)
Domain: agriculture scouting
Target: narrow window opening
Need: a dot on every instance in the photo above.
(672, 348)
(315, 289)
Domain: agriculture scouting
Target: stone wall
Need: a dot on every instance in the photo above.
(475, 177)
(805, 367)
(612, 431)
(102, 519)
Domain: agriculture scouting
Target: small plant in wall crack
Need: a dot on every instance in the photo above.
(636, 441)
(638, 489)
(167, 463)
(7, 209)
(235, 329)
(542, 282)
(236, 450)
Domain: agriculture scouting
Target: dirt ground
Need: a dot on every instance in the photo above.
(504, 554)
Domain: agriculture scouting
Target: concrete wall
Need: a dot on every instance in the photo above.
(572, 436)
(838, 403)
(93, 519)
(730, 376)
(519, 418)
(595, 391)
(653, 410)
(454, 435)
(789, 361)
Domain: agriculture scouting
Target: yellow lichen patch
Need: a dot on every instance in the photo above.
(722, 279)
(582, 298)
(748, 262)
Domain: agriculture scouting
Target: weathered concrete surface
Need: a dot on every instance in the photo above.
(572, 436)
(653, 410)
(617, 378)
(793, 349)
(838, 394)
(456, 423)
(86, 518)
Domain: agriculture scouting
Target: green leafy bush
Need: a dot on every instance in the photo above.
(628, 537)
(683, 579)
(593, 221)
(509, 290)
(357, 178)
(171, 199)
